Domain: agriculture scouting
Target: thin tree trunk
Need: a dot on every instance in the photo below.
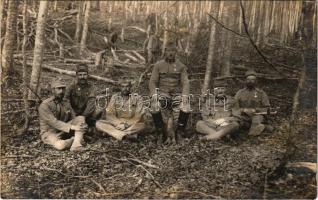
(55, 5)
(38, 50)
(209, 65)
(110, 19)
(9, 40)
(229, 39)
(165, 34)
(124, 22)
(24, 75)
(79, 18)
(85, 27)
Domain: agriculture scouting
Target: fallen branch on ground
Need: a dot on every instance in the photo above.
(73, 73)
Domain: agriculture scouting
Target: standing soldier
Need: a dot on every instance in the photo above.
(82, 95)
(168, 79)
(249, 102)
(56, 124)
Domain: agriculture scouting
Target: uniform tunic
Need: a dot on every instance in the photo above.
(82, 98)
(119, 110)
(217, 112)
(54, 116)
(252, 99)
(170, 78)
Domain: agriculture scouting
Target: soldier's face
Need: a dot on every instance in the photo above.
(126, 88)
(82, 77)
(170, 54)
(59, 92)
(251, 81)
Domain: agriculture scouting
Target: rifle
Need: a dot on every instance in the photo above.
(270, 111)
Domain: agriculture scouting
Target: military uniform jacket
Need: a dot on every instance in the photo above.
(82, 98)
(245, 98)
(217, 108)
(54, 115)
(170, 78)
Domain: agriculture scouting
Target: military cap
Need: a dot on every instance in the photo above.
(171, 45)
(82, 68)
(250, 73)
(58, 82)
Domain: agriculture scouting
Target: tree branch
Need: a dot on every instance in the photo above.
(253, 43)
(223, 26)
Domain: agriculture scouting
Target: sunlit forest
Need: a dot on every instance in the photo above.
(215, 40)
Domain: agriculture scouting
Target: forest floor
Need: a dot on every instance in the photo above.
(240, 166)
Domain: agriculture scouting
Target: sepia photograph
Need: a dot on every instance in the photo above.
(209, 99)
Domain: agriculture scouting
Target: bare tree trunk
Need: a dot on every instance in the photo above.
(85, 27)
(9, 40)
(124, 22)
(55, 5)
(229, 38)
(209, 65)
(79, 18)
(95, 5)
(110, 19)
(165, 34)
(38, 50)
(24, 75)
(2, 25)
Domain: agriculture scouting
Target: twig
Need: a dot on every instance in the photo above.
(200, 193)
(223, 26)
(253, 43)
(99, 185)
(55, 170)
(143, 163)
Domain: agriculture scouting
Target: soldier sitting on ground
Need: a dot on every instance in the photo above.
(59, 127)
(82, 96)
(249, 103)
(124, 115)
(217, 120)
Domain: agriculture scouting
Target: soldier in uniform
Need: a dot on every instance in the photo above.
(58, 126)
(249, 102)
(217, 120)
(82, 95)
(124, 115)
(169, 78)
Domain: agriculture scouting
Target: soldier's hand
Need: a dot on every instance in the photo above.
(249, 111)
(80, 127)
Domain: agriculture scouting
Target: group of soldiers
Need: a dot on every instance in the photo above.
(72, 111)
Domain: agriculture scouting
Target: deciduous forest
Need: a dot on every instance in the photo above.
(42, 40)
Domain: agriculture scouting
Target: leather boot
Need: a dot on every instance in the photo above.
(160, 127)
(182, 123)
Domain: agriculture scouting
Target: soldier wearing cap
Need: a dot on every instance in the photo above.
(249, 102)
(58, 126)
(82, 95)
(125, 113)
(168, 79)
(217, 119)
